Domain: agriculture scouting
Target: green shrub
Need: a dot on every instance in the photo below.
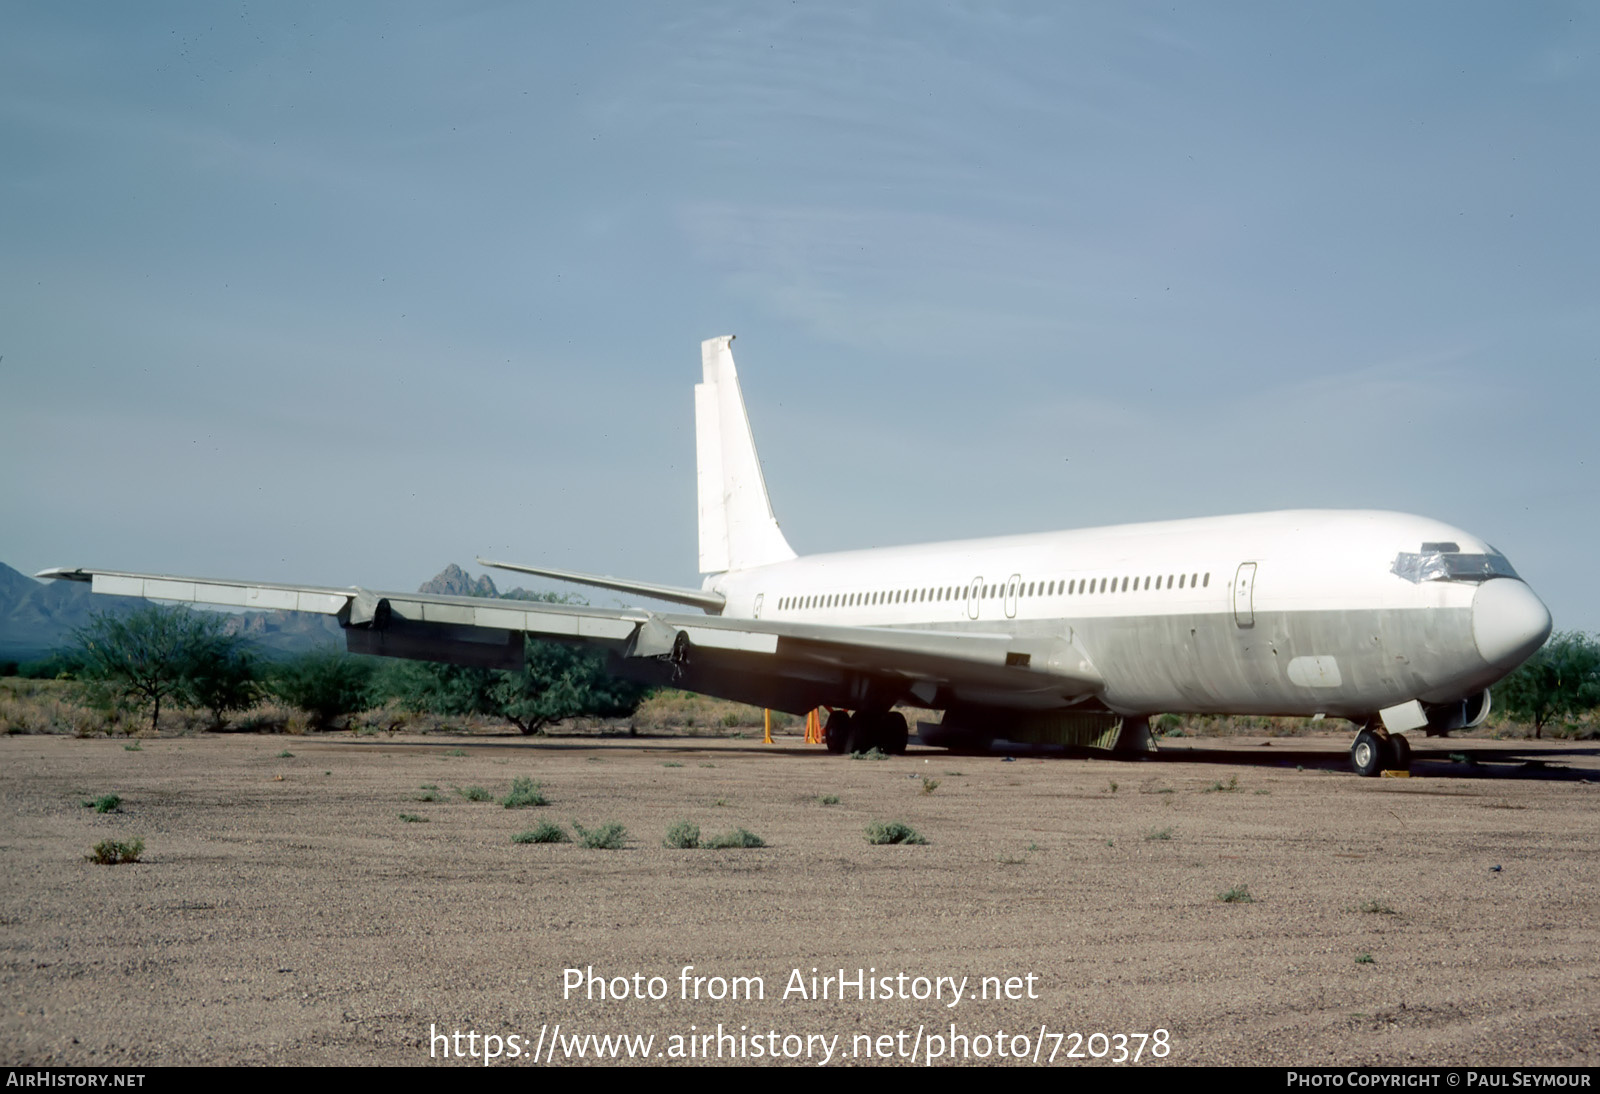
(739, 837)
(607, 837)
(685, 835)
(1239, 894)
(544, 833)
(870, 754)
(106, 803)
(412, 818)
(556, 681)
(475, 794)
(60, 665)
(1158, 834)
(524, 792)
(930, 785)
(109, 852)
(880, 832)
(829, 799)
(326, 684)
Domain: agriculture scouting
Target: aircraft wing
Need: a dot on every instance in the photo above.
(787, 666)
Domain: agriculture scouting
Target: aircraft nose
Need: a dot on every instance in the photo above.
(1508, 621)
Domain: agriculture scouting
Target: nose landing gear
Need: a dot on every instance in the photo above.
(1376, 750)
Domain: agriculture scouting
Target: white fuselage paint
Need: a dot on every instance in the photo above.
(1295, 612)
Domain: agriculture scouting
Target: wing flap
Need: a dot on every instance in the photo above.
(236, 594)
(731, 638)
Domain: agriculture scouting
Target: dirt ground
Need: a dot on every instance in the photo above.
(284, 912)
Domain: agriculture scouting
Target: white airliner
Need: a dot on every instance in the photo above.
(1394, 622)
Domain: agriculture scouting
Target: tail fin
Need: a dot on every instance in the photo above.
(737, 528)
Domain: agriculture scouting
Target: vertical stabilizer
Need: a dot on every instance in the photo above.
(737, 528)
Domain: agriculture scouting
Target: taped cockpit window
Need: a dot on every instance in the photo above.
(1450, 565)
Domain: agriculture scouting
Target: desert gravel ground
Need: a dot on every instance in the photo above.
(285, 913)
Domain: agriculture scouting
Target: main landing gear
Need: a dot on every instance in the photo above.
(884, 730)
(1377, 750)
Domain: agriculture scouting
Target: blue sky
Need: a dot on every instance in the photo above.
(341, 293)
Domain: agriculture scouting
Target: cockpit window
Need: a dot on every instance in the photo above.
(1434, 564)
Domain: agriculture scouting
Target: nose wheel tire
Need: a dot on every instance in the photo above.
(1399, 753)
(1367, 754)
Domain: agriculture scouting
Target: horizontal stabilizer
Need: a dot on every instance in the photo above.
(673, 594)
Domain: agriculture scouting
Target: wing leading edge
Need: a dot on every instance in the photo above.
(787, 666)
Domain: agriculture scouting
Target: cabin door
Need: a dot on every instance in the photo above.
(1244, 584)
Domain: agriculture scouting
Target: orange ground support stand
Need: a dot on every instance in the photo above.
(814, 722)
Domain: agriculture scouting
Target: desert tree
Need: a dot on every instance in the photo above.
(1561, 680)
(150, 655)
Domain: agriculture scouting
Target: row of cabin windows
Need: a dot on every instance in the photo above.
(1072, 587)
